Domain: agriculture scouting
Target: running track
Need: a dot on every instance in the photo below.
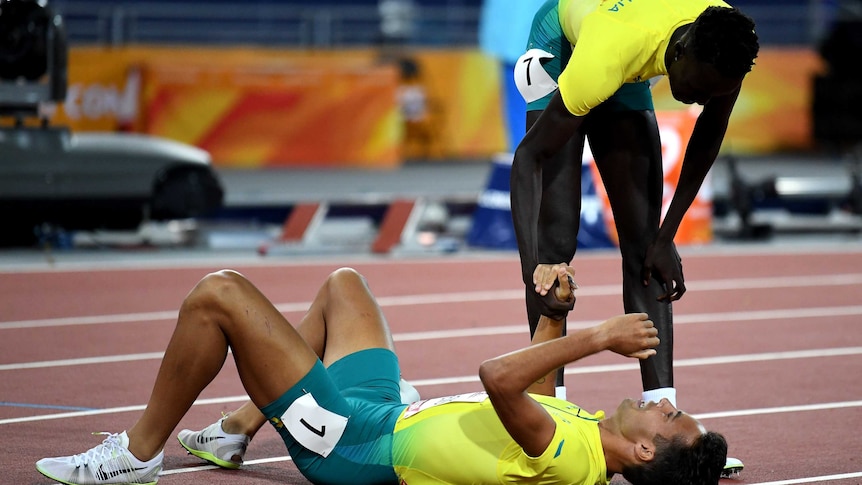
(768, 349)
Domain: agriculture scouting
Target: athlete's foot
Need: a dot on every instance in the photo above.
(108, 463)
(409, 394)
(214, 445)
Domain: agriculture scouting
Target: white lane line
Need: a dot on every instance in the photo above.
(504, 330)
(781, 409)
(466, 297)
(245, 464)
(91, 320)
(823, 478)
(246, 261)
(243, 398)
(748, 316)
(684, 319)
(696, 362)
(473, 332)
(108, 359)
(107, 261)
(795, 481)
(276, 459)
(709, 361)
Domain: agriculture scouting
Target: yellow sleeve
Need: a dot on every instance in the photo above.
(553, 465)
(574, 456)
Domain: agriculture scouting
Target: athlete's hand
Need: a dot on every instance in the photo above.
(546, 276)
(662, 261)
(555, 287)
(564, 291)
(630, 335)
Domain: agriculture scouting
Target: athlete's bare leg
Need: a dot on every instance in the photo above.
(559, 217)
(330, 300)
(270, 354)
(627, 151)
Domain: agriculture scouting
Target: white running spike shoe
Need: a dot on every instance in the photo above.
(732, 468)
(108, 463)
(214, 445)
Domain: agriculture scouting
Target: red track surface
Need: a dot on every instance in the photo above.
(758, 335)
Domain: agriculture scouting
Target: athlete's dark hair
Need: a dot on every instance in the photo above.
(679, 463)
(725, 38)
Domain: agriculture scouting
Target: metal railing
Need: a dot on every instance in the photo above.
(282, 24)
(256, 24)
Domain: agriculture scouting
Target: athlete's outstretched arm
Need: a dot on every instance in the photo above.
(548, 329)
(507, 378)
(554, 127)
(706, 139)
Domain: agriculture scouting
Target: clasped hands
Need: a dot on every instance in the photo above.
(555, 285)
(630, 335)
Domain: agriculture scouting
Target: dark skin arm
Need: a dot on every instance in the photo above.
(709, 130)
(554, 127)
(507, 378)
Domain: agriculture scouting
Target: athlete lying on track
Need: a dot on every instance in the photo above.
(330, 387)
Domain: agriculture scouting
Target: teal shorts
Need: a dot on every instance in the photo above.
(547, 34)
(337, 422)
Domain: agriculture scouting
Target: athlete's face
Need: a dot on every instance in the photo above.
(693, 81)
(638, 421)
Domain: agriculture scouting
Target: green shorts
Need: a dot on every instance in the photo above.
(337, 422)
(547, 34)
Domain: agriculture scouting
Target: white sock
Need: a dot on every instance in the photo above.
(657, 395)
(560, 392)
(409, 394)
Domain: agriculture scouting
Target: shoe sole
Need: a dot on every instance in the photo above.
(731, 472)
(210, 457)
(73, 483)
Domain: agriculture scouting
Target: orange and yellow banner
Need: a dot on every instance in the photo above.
(773, 111)
(253, 117)
(259, 107)
(675, 128)
(255, 107)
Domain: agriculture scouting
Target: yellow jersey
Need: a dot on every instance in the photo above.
(430, 436)
(617, 42)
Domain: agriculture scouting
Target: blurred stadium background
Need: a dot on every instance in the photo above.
(387, 125)
(356, 23)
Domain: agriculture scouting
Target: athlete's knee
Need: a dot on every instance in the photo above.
(345, 279)
(216, 292)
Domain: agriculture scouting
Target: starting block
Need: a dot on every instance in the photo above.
(403, 227)
(301, 219)
(398, 226)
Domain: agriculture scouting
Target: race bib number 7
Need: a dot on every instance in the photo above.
(532, 80)
(312, 426)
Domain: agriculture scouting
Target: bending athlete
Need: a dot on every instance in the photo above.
(586, 75)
